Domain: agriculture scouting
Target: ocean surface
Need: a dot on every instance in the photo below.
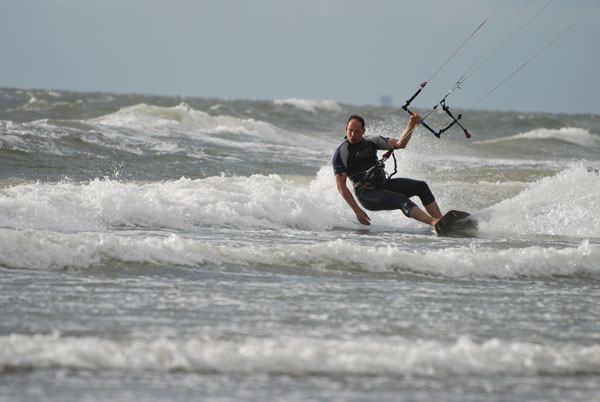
(174, 249)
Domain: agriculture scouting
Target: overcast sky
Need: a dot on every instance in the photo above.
(348, 50)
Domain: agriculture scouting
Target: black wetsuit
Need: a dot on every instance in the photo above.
(374, 191)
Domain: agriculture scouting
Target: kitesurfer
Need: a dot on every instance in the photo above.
(356, 159)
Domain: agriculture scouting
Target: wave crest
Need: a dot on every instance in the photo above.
(184, 118)
(572, 135)
(299, 356)
(51, 251)
(562, 205)
(307, 105)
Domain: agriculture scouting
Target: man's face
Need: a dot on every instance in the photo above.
(354, 131)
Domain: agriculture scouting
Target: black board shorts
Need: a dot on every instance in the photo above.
(395, 194)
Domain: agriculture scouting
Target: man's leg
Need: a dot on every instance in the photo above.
(433, 209)
(411, 188)
(418, 214)
(377, 200)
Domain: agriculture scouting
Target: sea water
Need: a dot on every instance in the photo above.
(164, 248)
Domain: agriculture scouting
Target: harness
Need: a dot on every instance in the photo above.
(376, 175)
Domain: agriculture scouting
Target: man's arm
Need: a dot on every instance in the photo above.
(361, 215)
(395, 143)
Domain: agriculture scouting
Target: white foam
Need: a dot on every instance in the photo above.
(562, 205)
(143, 116)
(50, 250)
(565, 205)
(89, 207)
(35, 104)
(183, 118)
(12, 136)
(247, 202)
(299, 356)
(310, 105)
(149, 123)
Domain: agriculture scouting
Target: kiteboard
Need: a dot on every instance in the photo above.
(455, 223)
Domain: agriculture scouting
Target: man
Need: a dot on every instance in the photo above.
(356, 159)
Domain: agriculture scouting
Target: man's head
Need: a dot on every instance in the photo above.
(355, 128)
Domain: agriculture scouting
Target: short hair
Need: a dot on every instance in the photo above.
(356, 117)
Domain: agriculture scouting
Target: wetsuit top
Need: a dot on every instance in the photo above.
(356, 159)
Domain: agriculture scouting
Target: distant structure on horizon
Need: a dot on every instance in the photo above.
(386, 100)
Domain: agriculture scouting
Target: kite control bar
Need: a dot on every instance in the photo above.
(446, 108)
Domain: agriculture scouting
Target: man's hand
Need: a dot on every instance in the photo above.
(401, 142)
(414, 120)
(343, 189)
(363, 217)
